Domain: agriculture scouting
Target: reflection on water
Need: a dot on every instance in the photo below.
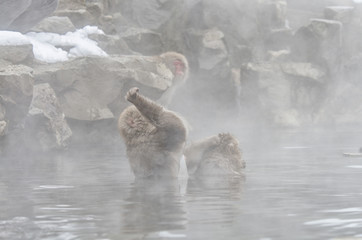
(297, 185)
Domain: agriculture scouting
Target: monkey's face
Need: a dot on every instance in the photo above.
(177, 63)
(228, 142)
(179, 67)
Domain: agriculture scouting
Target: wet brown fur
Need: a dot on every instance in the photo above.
(154, 137)
(216, 155)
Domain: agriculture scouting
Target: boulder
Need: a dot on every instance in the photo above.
(2, 112)
(143, 41)
(167, 17)
(55, 24)
(272, 14)
(79, 17)
(10, 10)
(208, 48)
(152, 14)
(112, 44)
(285, 93)
(3, 126)
(319, 43)
(29, 16)
(213, 87)
(93, 88)
(17, 53)
(45, 125)
(343, 14)
(16, 91)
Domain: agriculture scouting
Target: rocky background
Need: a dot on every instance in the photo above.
(281, 63)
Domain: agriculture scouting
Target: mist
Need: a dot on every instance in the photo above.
(282, 76)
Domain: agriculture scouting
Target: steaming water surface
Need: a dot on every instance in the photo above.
(297, 186)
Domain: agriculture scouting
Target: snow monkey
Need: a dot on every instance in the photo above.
(154, 137)
(179, 66)
(216, 155)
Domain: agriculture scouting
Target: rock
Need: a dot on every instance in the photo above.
(101, 13)
(112, 44)
(2, 112)
(3, 126)
(16, 91)
(10, 10)
(278, 39)
(343, 14)
(55, 24)
(208, 48)
(45, 124)
(30, 16)
(17, 53)
(143, 41)
(285, 93)
(213, 87)
(79, 17)
(304, 70)
(278, 56)
(319, 43)
(225, 16)
(93, 88)
(272, 14)
(152, 14)
(84, 87)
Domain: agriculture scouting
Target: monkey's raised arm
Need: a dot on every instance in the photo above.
(147, 107)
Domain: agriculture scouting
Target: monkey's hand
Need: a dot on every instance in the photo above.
(132, 94)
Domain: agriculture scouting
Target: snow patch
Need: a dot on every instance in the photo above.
(51, 47)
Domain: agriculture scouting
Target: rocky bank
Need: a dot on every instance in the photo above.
(279, 62)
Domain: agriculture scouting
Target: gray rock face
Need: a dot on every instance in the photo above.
(143, 41)
(54, 24)
(10, 10)
(151, 14)
(21, 15)
(45, 125)
(16, 91)
(283, 92)
(319, 43)
(208, 47)
(3, 126)
(343, 14)
(289, 76)
(16, 53)
(79, 17)
(93, 88)
(112, 44)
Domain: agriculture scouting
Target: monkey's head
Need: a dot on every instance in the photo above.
(228, 142)
(229, 145)
(177, 63)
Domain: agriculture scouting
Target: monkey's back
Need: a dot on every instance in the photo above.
(222, 159)
(216, 163)
(150, 151)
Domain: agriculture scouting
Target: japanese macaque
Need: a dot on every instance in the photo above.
(216, 155)
(154, 137)
(179, 66)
